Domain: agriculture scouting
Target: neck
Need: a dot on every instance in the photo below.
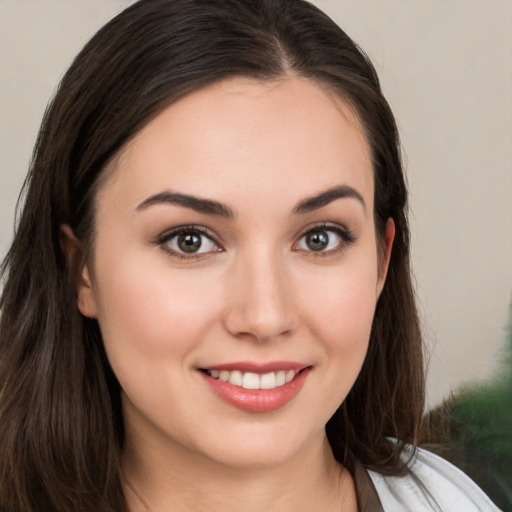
(180, 480)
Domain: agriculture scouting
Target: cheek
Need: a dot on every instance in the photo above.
(340, 308)
(338, 313)
(148, 311)
(345, 331)
(152, 321)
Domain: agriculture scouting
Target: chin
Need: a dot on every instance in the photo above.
(257, 447)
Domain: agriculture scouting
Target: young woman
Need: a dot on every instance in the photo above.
(208, 304)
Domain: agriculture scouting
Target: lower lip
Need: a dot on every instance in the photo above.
(257, 400)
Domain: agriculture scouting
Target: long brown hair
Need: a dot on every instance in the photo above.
(61, 430)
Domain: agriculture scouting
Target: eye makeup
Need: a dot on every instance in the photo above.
(324, 239)
(191, 242)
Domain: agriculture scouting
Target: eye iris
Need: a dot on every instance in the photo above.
(317, 241)
(189, 242)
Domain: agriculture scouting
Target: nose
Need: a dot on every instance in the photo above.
(260, 303)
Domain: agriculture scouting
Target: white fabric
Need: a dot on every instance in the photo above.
(432, 485)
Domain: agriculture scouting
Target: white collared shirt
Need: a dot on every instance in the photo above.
(431, 485)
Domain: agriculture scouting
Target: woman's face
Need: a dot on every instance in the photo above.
(235, 242)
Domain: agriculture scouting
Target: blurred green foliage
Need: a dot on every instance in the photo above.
(473, 430)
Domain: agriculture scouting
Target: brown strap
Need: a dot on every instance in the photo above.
(367, 497)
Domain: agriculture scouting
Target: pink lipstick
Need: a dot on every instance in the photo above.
(256, 388)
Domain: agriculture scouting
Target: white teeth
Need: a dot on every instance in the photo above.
(250, 380)
(290, 375)
(268, 381)
(280, 378)
(235, 378)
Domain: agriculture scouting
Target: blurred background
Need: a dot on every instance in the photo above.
(446, 69)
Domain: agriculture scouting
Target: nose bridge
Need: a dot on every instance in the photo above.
(261, 304)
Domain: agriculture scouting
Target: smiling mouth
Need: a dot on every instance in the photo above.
(250, 380)
(256, 388)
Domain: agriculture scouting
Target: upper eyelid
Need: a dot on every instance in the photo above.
(163, 239)
(192, 228)
(347, 236)
(326, 225)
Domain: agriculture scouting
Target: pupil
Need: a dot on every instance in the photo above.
(317, 241)
(189, 242)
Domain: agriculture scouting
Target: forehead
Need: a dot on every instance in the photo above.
(241, 137)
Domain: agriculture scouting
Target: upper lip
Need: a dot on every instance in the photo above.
(261, 368)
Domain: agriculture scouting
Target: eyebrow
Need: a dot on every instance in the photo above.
(211, 207)
(324, 198)
(207, 206)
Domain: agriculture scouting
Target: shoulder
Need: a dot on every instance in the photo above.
(432, 484)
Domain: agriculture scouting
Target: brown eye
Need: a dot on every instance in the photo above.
(324, 240)
(189, 242)
(317, 240)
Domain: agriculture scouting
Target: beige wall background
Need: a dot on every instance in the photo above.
(446, 68)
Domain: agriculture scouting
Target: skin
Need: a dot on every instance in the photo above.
(256, 292)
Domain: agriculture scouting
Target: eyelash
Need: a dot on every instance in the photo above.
(168, 236)
(346, 236)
